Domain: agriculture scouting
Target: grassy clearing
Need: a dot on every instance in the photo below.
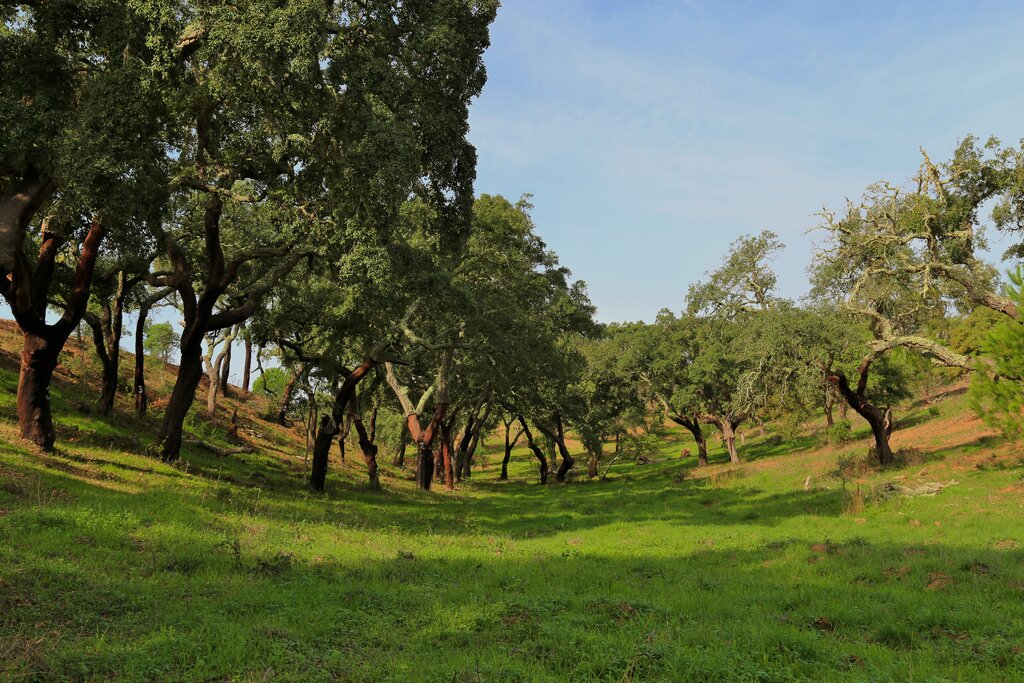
(114, 566)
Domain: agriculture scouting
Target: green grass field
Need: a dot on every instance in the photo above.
(114, 566)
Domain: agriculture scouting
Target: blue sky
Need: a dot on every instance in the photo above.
(652, 133)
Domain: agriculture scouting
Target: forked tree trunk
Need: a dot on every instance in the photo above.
(510, 443)
(537, 451)
(333, 424)
(26, 293)
(557, 435)
(424, 438)
(199, 310)
(727, 429)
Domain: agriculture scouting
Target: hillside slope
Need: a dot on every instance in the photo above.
(115, 566)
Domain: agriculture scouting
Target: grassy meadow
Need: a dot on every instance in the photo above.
(115, 566)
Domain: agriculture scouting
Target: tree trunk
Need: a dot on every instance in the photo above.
(879, 419)
(403, 442)
(729, 436)
(462, 452)
(505, 459)
(537, 451)
(247, 367)
(368, 448)
(139, 388)
(286, 397)
(592, 462)
(102, 337)
(331, 426)
(557, 435)
(829, 421)
(448, 470)
(38, 361)
(467, 464)
(26, 293)
(225, 369)
(510, 443)
(190, 373)
(424, 465)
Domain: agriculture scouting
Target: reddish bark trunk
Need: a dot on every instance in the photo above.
(38, 361)
(26, 292)
(369, 450)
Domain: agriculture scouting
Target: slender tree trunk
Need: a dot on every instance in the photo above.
(289, 390)
(102, 336)
(447, 469)
(537, 451)
(729, 436)
(225, 369)
(592, 462)
(479, 423)
(462, 451)
(403, 442)
(247, 367)
(829, 421)
(368, 448)
(139, 388)
(508, 453)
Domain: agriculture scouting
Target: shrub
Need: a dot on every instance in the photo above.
(840, 432)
